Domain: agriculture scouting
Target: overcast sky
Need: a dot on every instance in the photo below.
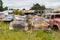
(29, 3)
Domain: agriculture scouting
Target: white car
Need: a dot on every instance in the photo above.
(19, 23)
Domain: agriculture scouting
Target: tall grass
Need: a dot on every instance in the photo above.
(6, 34)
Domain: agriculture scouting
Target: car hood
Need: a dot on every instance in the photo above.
(18, 22)
(42, 22)
(57, 19)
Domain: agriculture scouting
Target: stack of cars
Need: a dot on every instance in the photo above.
(20, 22)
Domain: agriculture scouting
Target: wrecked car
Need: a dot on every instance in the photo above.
(19, 23)
(39, 23)
(54, 21)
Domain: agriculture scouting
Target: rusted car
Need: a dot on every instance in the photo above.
(39, 23)
(54, 21)
(19, 23)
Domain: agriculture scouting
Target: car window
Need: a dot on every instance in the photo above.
(52, 16)
(57, 16)
(39, 19)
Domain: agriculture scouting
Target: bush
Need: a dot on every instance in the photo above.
(21, 13)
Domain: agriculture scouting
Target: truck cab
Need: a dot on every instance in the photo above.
(54, 20)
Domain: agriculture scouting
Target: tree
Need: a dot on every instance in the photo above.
(23, 9)
(43, 7)
(1, 5)
(11, 9)
(37, 7)
(21, 13)
(16, 12)
(6, 8)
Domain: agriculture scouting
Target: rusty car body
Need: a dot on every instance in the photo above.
(54, 20)
(39, 23)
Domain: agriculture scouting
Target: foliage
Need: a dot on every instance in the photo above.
(37, 7)
(21, 13)
(6, 8)
(16, 12)
(23, 9)
(6, 34)
(11, 9)
(1, 5)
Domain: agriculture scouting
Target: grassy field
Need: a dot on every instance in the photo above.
(6, 34)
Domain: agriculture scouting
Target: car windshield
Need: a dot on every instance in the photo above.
(39, 19)
(21, 19)
(57, 16)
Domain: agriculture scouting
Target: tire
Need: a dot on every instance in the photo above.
(55, 28)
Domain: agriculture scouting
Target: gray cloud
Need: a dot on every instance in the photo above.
(28, 3)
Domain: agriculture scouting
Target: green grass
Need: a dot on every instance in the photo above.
(6, 34)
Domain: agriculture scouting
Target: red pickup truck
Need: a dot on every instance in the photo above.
(54, 20)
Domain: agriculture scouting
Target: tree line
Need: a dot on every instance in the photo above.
(1, 6)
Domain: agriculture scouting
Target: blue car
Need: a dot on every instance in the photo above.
(8, 17)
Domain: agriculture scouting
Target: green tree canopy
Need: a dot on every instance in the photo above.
(23, 9)
(16, 12)
(21, 13)
(37, 7)
(5, 8)
(1, 5)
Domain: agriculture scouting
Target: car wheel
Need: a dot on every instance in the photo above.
(55, 28)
